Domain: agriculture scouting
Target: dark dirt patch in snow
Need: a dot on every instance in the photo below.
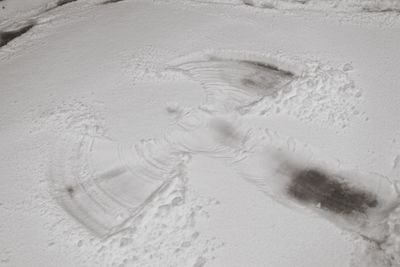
(313, 186)
(70, 190)
(8, 36)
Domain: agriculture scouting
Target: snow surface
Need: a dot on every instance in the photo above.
(140, 133)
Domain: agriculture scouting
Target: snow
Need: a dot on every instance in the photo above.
(321, 5)
(161, 133)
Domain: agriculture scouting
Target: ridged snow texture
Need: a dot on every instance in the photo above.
(236, 82)
(103, 184)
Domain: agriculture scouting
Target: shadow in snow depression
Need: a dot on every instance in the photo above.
(64, 2)
(59, 4)
(111, 1)
(8, 36)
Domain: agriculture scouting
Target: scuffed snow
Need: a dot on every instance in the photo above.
(321, 5)
(316, 92)
(113, 202)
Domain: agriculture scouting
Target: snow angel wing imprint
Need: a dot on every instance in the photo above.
(234, 80)
(103, 184)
